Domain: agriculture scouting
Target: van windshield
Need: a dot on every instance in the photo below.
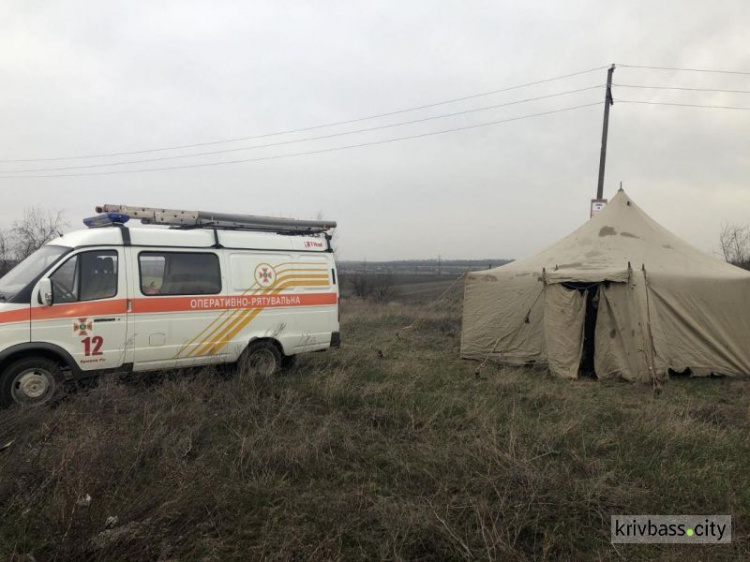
(29, 269)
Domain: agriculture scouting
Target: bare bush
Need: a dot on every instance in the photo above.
(6, 253)
(361, 285)
(380, 287)
(383, 287)
(36, 228)
(28, 234)
(734, 240)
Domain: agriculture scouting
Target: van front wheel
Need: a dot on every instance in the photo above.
(30, 382)
(262, 358)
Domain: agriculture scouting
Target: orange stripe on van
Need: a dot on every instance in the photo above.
(71, 310)
(220, 302)
(220, 338)
(165, 304)
(231, 314)
(217, 323)
(20, 315)
(228, 318)
(79, 309)
(222, 335)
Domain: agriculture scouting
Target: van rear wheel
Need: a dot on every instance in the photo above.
(32, 381)
(261, 358)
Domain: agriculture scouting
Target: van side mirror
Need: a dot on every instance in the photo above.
(45, 291)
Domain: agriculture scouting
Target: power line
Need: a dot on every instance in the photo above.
(680, 88)
(685, 104)
(295, 141)
(321, 151)
(685, 69)
(310, 128)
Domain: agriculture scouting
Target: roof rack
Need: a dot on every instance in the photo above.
(205, 219)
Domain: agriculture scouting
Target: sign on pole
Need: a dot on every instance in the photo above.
(597, 205)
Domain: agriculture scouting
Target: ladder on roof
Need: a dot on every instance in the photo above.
(205, 219)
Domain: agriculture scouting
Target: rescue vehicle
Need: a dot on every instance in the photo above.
(189, 288)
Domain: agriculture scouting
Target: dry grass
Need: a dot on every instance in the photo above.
(388, 448)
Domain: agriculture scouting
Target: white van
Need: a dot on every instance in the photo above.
(205, 289)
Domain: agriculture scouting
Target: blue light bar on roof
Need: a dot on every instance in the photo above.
(106, 219)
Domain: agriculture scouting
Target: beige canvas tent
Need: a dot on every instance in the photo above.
(620, 297)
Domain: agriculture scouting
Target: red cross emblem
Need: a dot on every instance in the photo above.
(264, 274)
(83, 326)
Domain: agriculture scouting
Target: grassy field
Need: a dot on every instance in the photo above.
(414, 289)
(389, 448)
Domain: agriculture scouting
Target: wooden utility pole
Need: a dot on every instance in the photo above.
(605, 129)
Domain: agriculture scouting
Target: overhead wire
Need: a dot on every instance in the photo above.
(30, 173)
(308, 128)
(683, 104)
(680, 88)
(305, 153)
(675, 69)
(296, 141)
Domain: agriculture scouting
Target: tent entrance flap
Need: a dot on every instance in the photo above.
(564, 319)
(621, 340)
(571, 313)
(588, 368)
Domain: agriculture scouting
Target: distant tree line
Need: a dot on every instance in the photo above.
(494, 262)
(27, 234)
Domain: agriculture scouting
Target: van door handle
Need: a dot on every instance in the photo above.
(105, 319)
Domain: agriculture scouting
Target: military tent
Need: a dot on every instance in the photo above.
(620, 297)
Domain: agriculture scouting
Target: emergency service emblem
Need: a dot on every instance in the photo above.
(83, 326)
(265, 275)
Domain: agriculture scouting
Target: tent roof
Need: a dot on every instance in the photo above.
(619, 236)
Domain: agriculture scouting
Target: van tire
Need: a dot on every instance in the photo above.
(31, 381)
(261, 358)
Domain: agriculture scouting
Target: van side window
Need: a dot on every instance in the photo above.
(86, 276)
(179, 273)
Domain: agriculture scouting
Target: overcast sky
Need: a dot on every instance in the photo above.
(90, 77)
